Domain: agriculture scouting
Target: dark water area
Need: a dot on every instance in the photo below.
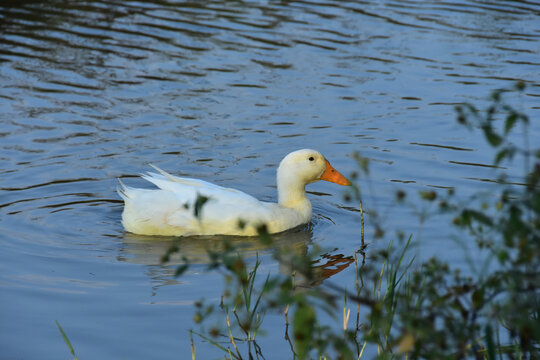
(92, 91)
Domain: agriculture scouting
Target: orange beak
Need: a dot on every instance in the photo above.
(332, 175)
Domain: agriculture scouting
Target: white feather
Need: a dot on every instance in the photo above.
(170, 209)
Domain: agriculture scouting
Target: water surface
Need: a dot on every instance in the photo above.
(96, 90)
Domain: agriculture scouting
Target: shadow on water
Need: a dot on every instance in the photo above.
(149, 250)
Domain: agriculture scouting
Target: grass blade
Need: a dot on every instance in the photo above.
(216, 344)
(68, 343)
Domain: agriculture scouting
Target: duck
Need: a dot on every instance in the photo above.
(188, 207)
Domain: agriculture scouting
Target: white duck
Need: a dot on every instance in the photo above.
(171, 209)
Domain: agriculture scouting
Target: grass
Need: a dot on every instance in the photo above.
(66, 340)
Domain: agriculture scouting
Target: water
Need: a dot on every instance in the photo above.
(94, 91)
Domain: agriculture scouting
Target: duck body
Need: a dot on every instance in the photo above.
(176, 209)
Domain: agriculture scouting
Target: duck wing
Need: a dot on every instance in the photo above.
(171, 210)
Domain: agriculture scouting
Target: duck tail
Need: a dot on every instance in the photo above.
(164, 173)
(122, 190)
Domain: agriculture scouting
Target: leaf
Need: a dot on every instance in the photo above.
(264, 235)
(470, 107)
(496, 95)
(480, 217)
(428, 195)
(68, 343)
(406, 343)
(180, 270)
(478, 298)
(504, 153)
(502, 256)
(493, 138)
(199, 203)
(510, 122)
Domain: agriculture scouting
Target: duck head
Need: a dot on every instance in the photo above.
(300, 168)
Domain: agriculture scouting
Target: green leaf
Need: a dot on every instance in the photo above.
(496, 95)
(478, 298)
(180, 270)
(502, 256)
(264, 235)
(66, 340)
(493, 138)
(503, 154)
(199, 203)
(470, 107)
(480, 217)
(428, 195)
(510, 122)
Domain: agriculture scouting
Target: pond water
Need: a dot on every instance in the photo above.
(93, 91)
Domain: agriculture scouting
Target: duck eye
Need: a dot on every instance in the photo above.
(311, 158)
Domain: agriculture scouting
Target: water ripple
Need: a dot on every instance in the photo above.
(95, 90)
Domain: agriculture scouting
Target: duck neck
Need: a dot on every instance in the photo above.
(292, 194)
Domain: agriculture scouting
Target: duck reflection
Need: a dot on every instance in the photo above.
(150, 250)
(159, 253)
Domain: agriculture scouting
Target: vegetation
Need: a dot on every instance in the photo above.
(66, 340)
(430, 310)
(401, 309)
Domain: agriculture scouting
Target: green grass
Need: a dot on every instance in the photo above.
(66, 340)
